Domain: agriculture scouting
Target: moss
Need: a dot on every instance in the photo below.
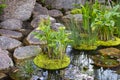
(109, 42)
(86, 47)
(105, 61)
(44, 62)
(76, 11)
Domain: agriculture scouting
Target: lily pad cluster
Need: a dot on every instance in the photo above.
(107, 58)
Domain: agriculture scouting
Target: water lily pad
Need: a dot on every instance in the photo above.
(105, 61)
(110, 52)
(43, 61)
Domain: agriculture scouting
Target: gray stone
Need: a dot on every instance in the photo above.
(68, 18)
(31, 40)
(55, 13)
(18, 9)
(9, 43)
(63, 4)
(11, 34)
(39, 10)
(37, 20)
(11, 24)
(5, 60)
(26, 52)
(55, 26)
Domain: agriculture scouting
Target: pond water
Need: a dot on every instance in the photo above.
(81, 68)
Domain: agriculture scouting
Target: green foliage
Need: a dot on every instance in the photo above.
(104, 23)
(76, 11)
(56, 40)
(2, 6)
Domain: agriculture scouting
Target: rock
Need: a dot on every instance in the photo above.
(9, 43)
(55, 13)
(5, 60)
(110, 51)
(2, 76)
(63, 4)
(26, 52)
(69, 17)
(11, 34)
(18, 9)
(37, 20)
(39, 10)
(31, 40)
(55, 26)
(11, 24)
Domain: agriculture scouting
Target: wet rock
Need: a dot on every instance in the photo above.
(26, 52)
(9, 43)
(11, 34)
(5, 60)
(55, 13)
(11, 24)
(18, 9)
(63, 4)
(38, 9)
(55, 26)
(37, 20)
(31, 40)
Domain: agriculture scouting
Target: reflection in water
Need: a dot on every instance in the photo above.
(101, 74)
(81, 68)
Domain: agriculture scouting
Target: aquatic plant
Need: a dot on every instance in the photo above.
(104, 23)
(54, 49)
(56, 41)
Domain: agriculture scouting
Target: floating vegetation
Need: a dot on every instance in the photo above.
(109, 42)
(105, 61)
(43, 61)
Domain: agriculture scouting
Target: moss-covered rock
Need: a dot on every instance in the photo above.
(114, 42)
(43, 61)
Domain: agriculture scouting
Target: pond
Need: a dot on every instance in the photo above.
(81, 68)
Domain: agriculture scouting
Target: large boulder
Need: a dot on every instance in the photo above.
(26, 52)
(9, 43)
(63, 4)
(11, 34)
(5, 60)
(11, 24)
(18, 9)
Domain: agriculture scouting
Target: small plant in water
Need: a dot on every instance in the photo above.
(56, 43)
